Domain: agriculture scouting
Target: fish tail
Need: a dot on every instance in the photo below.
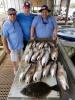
(55, 87)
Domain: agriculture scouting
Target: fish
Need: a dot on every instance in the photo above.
(22, 77)
(37, 44)
(41, 45)
(48, 49)
(35, 49)
(38, 89)
(28, 47)
(38, 73)
(28, 56)
(30, 73)
(46, 70)
(41, 54)
(62, 77)
(34, 56)
(28, 78)
(45, 58)
(23, 74)
(54, 54)
(52, 44)
(53, 69)
(46, 45)
(34, 44)
(27, 50)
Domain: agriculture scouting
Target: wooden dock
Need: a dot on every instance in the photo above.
(6, 77)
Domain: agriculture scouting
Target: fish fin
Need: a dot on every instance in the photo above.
(23, 91)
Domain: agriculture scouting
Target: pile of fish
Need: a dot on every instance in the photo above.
(42, 60)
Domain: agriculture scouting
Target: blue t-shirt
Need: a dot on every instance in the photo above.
(44, 28)
(25, 22)
(13, 33)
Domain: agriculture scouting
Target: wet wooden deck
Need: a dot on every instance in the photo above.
(6, 77)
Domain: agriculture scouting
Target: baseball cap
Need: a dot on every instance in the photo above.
(27, 4)
(11, 11)
(44, 7)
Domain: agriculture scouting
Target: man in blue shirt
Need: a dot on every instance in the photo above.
(25, 19)
(12, 37)
(44, 26)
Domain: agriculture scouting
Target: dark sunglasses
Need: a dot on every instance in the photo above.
(12, 14)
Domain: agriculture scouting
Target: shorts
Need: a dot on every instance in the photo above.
(16, 55)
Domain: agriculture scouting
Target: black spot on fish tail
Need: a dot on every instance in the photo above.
(38, 89)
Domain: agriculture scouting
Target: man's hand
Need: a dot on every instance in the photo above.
(5, 45)
(54, 38)
(32, 38)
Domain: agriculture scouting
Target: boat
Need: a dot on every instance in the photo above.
(67, 34)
